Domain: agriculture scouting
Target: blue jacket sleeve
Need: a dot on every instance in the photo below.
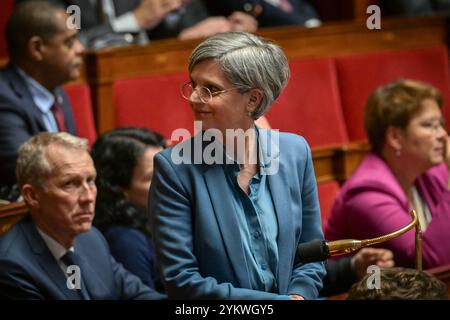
(306, 279)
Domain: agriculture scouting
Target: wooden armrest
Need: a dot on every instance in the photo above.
(10, 214)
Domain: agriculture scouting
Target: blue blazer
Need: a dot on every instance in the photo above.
(197, 237)
(28, 269)
(20, 119)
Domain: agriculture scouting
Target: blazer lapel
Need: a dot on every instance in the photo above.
(94, 284)
(46, 260)
(216, 183)
(19, 86)
(278, 177)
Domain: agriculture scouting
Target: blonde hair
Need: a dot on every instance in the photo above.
(32, 165)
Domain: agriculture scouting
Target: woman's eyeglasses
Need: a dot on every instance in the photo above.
(205, 95)
(433, 125)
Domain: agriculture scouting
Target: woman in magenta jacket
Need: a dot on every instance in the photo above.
(407, 169)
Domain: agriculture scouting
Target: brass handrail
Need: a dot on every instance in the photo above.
(344, 246)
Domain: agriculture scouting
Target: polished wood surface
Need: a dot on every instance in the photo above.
(10, 214)
(338, 162)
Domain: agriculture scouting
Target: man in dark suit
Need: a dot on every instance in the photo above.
(44, 54)
(53, 253)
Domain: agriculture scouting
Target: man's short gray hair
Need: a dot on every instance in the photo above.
(32, 165)
(248, 61)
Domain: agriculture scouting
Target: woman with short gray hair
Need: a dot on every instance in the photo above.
(230, 205)
(248, 62)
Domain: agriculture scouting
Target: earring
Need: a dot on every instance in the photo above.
(398, 152)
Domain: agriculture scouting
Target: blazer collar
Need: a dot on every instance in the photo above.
(20, 88)
(45, 258)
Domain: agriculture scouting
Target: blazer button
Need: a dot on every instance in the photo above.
(256, 234)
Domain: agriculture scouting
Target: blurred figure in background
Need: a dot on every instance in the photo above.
(124, 161)
(400, 284)
(116, 22)
(407, 169)
(43, 55)
(271, 13)
(416, 7)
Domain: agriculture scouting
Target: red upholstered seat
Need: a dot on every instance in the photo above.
(359, 75)
(310, 104)
(80, 98)
(152, 102)
(327, 193)
(6, 8)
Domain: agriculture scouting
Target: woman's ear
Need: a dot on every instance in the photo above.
(254, 100)
(394, 137)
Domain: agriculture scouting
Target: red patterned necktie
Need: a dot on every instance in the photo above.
(59, 115)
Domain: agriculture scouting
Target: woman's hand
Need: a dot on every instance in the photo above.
(366, 257)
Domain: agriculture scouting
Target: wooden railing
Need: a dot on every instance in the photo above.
(11, 214)
(338, 162)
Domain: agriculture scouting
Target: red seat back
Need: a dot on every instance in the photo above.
(310, 104)
(6, 8)
(360, 74)
(152, 102)
(328, 191)
(80, 99)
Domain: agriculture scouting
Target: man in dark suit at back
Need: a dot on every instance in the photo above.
(271, 13)
(44, 54)
(53, 253)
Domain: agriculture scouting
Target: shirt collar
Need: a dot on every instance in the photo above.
(54, 246)
(43, 98)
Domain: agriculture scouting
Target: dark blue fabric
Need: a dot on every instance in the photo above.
(135, 251)
(270, 15)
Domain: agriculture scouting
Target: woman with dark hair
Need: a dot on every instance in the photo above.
(124, 161)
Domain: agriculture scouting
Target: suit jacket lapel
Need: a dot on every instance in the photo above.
(95, 287)
(19, 86)
(46, 260)
(278, 177)
(216, 183)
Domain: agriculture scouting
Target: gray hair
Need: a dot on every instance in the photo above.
(32, 164)
(248, 61)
